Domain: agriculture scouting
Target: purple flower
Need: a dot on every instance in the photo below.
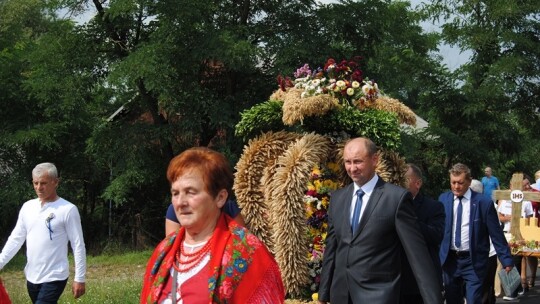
(303, 71)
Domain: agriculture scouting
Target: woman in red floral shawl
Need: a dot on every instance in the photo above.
(211, 259)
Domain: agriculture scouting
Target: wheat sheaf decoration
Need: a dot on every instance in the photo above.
(287, 189)
(284, 179)
(259, 154)
(404, 113)
(296, 108)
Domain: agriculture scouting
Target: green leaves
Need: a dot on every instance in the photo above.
(380, 126)
(260, 118)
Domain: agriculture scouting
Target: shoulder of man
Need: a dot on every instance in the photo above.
(30, 203)
(341, 190)
(481, 198)
(446, 197)
(429, 201)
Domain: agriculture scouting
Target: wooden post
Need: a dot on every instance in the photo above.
(516, 197)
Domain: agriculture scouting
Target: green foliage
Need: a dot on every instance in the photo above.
(380, 126)
(482, 113)
(112, 279)
(186, 71)
(260, 118)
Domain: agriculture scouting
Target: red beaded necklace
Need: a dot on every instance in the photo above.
(191, 259)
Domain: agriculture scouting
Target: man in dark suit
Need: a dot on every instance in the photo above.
(430, 214)
(370, 225)
(471, 219)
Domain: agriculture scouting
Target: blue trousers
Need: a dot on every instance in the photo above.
(46, 293)
(459, 273)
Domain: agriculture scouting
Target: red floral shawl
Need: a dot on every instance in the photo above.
(4, 297)
(241, 269)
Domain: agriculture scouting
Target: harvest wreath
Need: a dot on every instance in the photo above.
(293, 160)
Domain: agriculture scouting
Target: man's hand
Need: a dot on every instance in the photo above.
(508, 268)
(78, 289)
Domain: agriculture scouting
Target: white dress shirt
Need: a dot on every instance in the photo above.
(465, 221)
(368, 190)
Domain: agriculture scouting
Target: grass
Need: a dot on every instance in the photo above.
(110, 279)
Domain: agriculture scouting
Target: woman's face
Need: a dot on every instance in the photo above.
(195, 208)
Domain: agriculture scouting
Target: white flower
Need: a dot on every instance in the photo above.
(315, 82)
(350, 91)
(340, 83)
(355, 84)
(366, 89)
(303, 95)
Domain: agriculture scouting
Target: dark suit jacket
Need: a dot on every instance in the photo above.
(484, 223)
(366, 267)
(431, 215)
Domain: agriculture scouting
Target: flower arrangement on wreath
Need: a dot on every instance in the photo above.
(524, 246)
(323, 180)
(344, 81)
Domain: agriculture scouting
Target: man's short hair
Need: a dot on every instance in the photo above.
(45, 168)
(477, 186)
(416, 171)
(371, 147)
(459, 169)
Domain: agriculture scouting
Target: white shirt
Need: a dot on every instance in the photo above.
(47, 259)
(368, 190)
(492, 250)
(465, 219)
(505, 208)
(536, 185)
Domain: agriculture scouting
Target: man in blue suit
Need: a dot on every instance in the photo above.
(471, 219)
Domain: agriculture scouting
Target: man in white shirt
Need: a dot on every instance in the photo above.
(505, 216)
(536, 185)
(47, 223)
(505, 212)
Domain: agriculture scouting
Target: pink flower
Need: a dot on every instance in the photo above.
(253, 241)
(226, 258)
(226, 289)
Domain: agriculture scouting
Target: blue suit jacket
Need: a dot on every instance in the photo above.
(484, 224)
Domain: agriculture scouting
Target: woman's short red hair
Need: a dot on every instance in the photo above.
(212, 165)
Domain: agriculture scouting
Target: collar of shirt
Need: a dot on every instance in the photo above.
(367, 187)
(467, 196)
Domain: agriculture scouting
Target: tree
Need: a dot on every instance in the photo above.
(493, 99)
(112, 100)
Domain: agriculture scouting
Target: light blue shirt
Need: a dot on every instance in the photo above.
(490, 184)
